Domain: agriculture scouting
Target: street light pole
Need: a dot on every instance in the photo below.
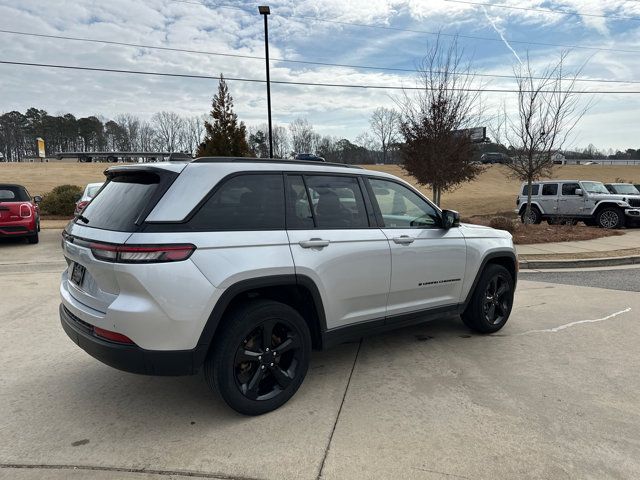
(264, 10)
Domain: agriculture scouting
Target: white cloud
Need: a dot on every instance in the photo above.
(341, 112)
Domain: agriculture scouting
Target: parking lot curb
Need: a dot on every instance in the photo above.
(578, 262)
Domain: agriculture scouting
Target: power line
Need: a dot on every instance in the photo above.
(288, 82)
(543, 10)
(284, 60)
(398, 29)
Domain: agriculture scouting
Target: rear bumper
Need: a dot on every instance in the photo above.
(130, 358)
(18, 228)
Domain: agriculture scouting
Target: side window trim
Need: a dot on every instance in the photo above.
(289, 201)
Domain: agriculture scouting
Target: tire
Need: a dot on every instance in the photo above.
(486, 312)
(33, 239)
(535, 218)
(610, 217)
(257, 379)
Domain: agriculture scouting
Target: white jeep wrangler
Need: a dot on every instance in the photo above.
(577, 200)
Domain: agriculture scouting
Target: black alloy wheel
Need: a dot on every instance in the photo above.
(495, 306)
(260, 356)
(491, 301)
(267, 360)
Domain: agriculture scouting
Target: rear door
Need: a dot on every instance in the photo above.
(428, 262)
(549, 198)
(335, 242)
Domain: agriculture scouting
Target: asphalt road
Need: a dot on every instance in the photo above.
(553, 395)
(627, 279)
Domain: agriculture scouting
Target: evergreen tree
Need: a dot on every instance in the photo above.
(225, 136)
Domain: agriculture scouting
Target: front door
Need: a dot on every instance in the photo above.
(335, 242)
(569, 203)
(428, 261)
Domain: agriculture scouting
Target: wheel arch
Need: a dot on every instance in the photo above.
(297, 291)
(505, 258)
(533, 204)
(604, 204)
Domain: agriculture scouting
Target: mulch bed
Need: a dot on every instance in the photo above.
(544, 233)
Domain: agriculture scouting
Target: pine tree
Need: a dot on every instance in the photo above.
(225, 136)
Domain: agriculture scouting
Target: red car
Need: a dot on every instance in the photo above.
(19, 215)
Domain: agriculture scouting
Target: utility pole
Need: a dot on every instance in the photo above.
(265, 11)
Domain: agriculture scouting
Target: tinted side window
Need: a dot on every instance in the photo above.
(298, 208)
(402, 208)
(534, 189)
(244, 202)
(550, 189)
(569, 188)
(337, 202)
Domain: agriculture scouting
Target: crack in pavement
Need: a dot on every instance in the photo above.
(344, 396)
(579, 322)
(148, 471)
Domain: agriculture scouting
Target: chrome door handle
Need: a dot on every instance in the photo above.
(314, 243)
(403, 239)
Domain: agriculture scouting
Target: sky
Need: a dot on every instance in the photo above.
(387, 34)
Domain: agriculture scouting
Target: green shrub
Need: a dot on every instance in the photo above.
(61, 200)
(503, 223)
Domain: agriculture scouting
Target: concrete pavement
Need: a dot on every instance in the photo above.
(630, 239)
(553, 395)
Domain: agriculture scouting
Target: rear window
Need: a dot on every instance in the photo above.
(121, 202)
(12, 193)
(534, 189)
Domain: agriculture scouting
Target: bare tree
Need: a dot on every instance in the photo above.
(385, 125)
(437, 150)
(368, 143)
(280, 141)
(193, 132)
(303, 138)
(146, 139)
(168, 126)
(130, 125)
(548, 110)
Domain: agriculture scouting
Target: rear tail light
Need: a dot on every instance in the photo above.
(111, 336)
(25, 211)
(141, 253)
(80, 206)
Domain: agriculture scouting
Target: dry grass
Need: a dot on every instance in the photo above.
(545, 233)
(40, 178)
(492, 192)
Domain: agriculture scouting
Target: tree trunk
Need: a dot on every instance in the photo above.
(527, 210)
(437, 192)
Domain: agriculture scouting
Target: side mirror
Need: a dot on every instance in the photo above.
(579, 192)
(37, 198)
(450, 219)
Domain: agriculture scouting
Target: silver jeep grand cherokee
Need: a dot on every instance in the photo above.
(242, 266)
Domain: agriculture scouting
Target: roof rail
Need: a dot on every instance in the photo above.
(271, 160)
